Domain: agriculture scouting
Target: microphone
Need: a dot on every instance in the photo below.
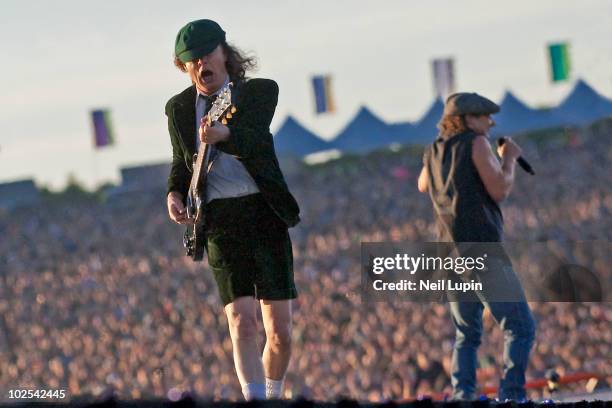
(522, 162)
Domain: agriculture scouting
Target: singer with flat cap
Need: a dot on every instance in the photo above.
(248, 205)
(466, 182)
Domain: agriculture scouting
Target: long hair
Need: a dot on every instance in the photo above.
(451, 125)
(237, 64)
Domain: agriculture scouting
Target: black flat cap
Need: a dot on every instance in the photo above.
(466, 103)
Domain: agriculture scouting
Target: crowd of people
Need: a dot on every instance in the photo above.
(99, 297)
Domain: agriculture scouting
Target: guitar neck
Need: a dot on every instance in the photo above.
(197, 168)
(216, 111)
(203, 151)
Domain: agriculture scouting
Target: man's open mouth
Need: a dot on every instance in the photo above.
(207, 75)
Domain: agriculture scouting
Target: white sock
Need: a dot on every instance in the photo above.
(274, 388)
(253, 391)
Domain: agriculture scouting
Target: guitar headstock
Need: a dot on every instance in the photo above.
(222, 108)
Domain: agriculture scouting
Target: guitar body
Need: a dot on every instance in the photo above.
(194, 238)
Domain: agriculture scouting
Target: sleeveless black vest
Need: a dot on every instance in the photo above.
(464, 211)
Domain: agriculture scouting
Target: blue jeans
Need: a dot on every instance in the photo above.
(517, 323)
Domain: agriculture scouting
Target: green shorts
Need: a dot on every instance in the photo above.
(249, 249)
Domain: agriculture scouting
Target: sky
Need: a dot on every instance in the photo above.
(61, 59)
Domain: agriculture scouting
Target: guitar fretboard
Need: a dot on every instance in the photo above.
(219, 108)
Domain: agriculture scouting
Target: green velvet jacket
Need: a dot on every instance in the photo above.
(250, 141)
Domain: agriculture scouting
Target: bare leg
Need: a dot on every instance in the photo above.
(243, 331)
(277, 323)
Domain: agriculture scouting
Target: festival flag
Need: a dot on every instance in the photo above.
(559, 61)
(324, 101)
(444, 77)
(102, 127)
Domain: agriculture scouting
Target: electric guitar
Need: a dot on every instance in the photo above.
(195, 235)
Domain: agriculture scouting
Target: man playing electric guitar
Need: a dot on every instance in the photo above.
(248, 205)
